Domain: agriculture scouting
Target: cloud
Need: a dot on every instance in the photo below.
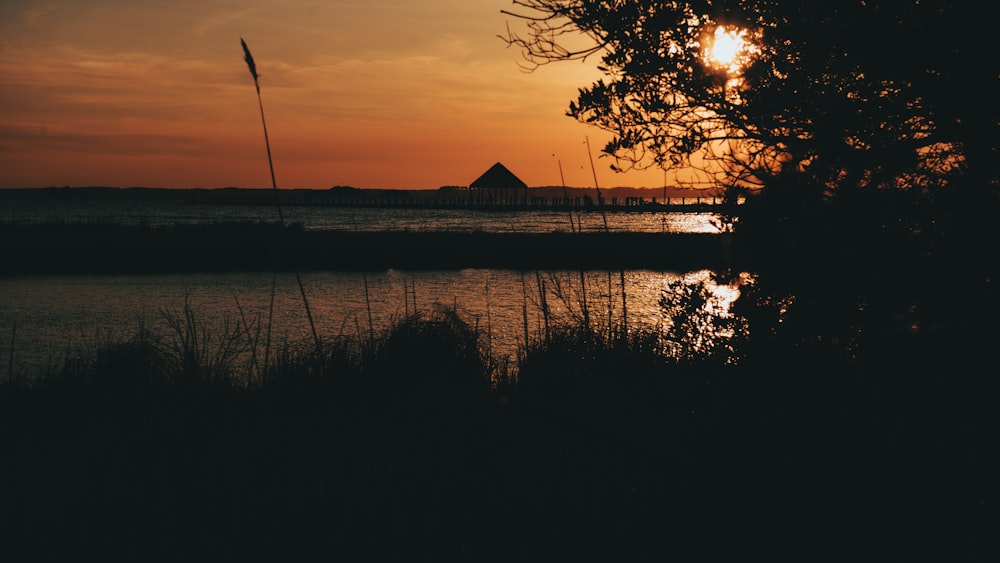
(45, 138)
(375, 87)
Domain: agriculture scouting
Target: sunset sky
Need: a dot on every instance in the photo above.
(366, 93)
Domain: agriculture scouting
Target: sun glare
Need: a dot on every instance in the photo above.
(726, 48)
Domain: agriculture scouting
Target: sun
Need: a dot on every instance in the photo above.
(727, 48)
(726, 45)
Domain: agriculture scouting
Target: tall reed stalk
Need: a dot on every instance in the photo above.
(524, 312)
(368, 307)
(489, 321)
(543, 302)
(572, 227)
(277, 200)
(413, 292)
(406, 299)
(611, 311)
(604, 216)
(600, 198)
(252, 337)
(621, 279)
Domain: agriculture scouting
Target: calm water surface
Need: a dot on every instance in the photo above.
(42, 319)
(51, 316)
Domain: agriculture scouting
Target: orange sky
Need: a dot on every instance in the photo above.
(366, 93)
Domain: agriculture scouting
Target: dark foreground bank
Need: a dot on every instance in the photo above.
(415, 447)
(106, 248)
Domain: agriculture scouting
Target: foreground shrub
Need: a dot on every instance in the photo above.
(436, 354)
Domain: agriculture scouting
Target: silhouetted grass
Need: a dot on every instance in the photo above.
(165, 446)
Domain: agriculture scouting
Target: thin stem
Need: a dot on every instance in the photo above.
(543, 301)
(413, 292)
(569, 208)
(524, 311)
(277, 199)
(610, 311)
(621, 273)
(489, 320)
(600, 198)
(251, 340)
(270, 162)
(368, 305)
(270, 318)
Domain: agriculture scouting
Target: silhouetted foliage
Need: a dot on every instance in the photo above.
(607, 445)
(436, 356)
(839, 96)
(700, 326)
(869, 125)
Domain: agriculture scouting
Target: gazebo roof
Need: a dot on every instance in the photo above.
(498, 178)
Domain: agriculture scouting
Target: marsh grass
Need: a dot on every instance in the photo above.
(592, 444)
(367, 447)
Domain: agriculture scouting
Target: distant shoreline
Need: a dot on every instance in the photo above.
(554, 199)
(542, 191)
(66, 248)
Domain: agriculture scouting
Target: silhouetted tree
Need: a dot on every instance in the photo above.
(839, 95)
(869, 123)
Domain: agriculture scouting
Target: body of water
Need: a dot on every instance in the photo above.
(44, 318)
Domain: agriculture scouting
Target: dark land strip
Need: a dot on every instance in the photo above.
(31, 249)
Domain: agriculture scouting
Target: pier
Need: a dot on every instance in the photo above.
(451, 199)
